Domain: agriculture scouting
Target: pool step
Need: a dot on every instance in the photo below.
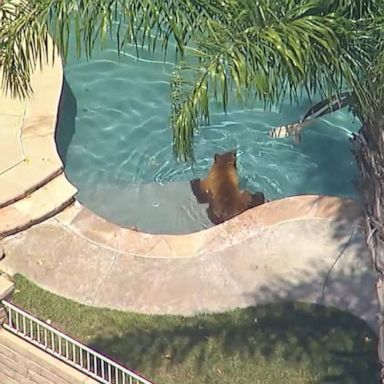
(36, 207)
(25, 178)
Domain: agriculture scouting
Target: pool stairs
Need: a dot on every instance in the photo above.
(31, 192)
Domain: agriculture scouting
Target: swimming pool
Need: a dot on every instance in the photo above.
(114, 138)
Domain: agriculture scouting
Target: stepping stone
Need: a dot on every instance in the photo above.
(25, 178)
(36, 207)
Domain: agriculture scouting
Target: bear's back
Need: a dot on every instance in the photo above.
(225, 198)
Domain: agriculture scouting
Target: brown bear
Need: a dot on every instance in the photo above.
(221, 190)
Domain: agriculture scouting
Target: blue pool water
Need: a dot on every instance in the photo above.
(115, 139)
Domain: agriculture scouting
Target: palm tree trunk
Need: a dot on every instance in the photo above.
(369, 153)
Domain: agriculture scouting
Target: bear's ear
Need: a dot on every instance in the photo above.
(216, 157)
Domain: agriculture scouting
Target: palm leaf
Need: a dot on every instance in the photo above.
(271, 51)
(266, 49)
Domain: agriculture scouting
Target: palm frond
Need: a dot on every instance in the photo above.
(267, 52)
(25, 26)
(266, 49)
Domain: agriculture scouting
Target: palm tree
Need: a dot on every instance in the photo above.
(265, 49)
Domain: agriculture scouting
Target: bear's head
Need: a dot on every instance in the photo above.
(227, 158)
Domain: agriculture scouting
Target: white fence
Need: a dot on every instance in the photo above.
(67, 349)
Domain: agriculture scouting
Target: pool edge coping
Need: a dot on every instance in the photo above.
(97, 230)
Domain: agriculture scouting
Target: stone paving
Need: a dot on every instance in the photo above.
(29, 159)
(311, 260)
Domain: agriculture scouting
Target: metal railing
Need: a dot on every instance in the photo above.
(67, 349)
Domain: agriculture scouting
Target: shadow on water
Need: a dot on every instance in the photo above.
(250, 345)
(326, 144)
(321, 164)
(334, 156)
(65, 127)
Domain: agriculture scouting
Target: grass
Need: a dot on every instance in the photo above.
(290, 343)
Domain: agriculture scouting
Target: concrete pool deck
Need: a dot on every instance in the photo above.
(307, 248)
(312, 260)
(32, 183)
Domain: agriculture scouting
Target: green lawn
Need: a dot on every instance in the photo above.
(287, 343)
